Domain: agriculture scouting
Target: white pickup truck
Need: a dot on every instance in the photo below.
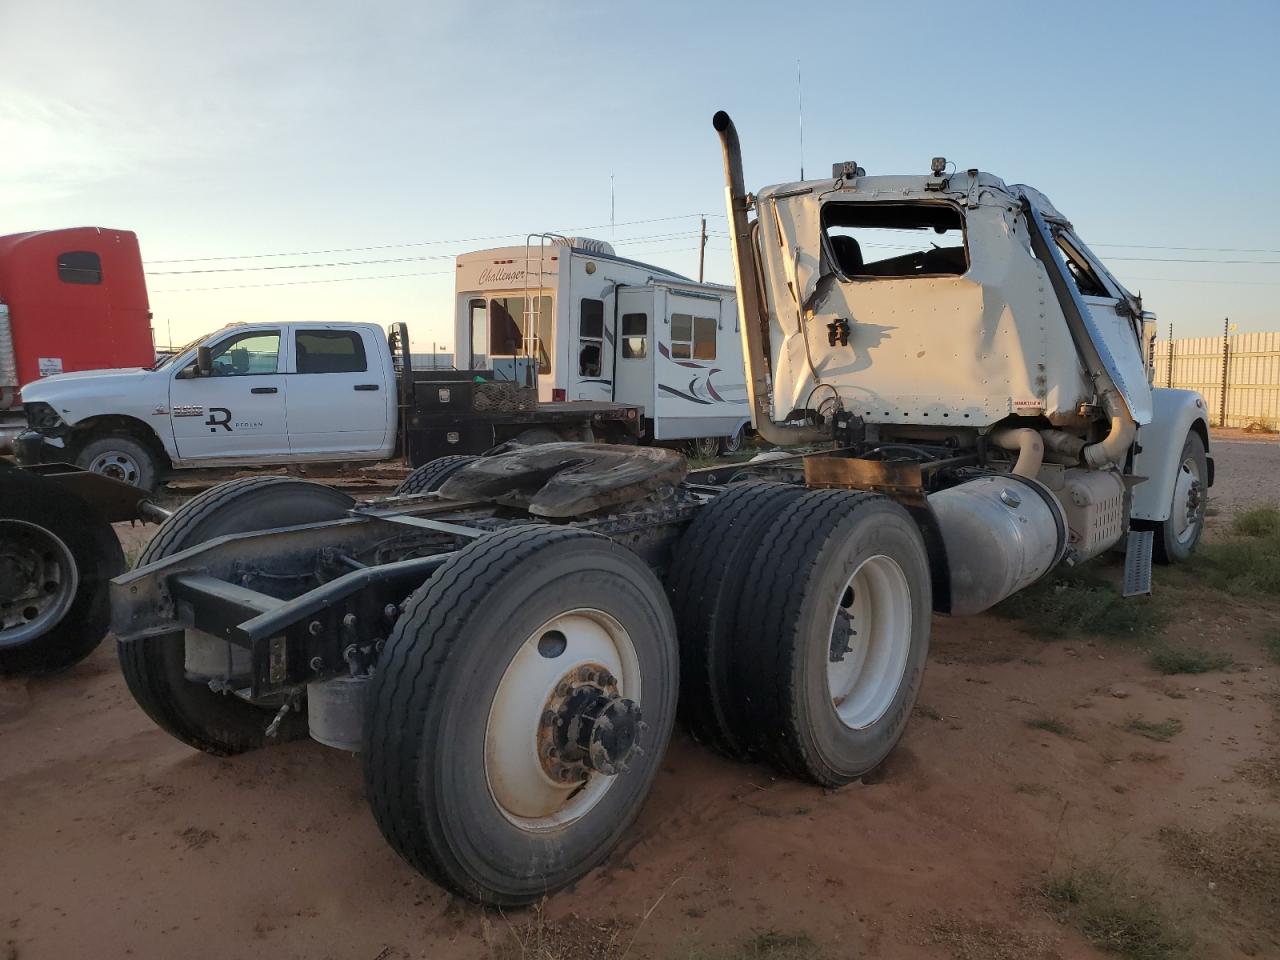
(273, 393)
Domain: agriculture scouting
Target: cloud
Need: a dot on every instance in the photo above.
(56, 149)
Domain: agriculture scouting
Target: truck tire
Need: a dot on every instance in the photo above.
(121, 457)
(431, 475)
(732, 444)
(153, 667)
(705, 583)
(479, 680)
(834, 634)
(1176, 538)
(56, 557)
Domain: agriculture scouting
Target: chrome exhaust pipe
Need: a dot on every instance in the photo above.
(751, 313)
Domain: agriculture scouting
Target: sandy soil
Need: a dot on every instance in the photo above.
(117, 841)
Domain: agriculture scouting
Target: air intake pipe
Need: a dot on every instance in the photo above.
(755, 324)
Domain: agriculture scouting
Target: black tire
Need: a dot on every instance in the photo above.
(95, 553)
(796, 580)
(121, 456)
(430, 476)
(430, 703)
(1168, 548)
(705, 583)
(732, 444)
(217, 723)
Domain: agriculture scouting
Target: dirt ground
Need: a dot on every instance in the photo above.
(1029, 761)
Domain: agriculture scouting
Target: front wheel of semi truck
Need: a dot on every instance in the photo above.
(520, 712)
(834, 634)
(1177, 538)
(159, 670)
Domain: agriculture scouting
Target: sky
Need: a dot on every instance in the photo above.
(374, 141)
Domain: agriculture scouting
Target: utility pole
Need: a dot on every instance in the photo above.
(1226, 350)
(1169, 372)
(702, 249)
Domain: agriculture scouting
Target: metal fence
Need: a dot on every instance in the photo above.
(1238, 375)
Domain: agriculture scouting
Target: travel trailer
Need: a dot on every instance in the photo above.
(604, 328)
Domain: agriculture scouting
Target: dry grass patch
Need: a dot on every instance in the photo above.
(967, 939)
(1051, 725)
(1241, 862)
(770, 945)
(1115, 914)
(1161, 730)
(1083, 600)
(1171, 660)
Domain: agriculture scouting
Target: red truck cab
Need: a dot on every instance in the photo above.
(75, 299)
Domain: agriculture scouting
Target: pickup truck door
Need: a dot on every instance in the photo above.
(239, 411)
(340, 400)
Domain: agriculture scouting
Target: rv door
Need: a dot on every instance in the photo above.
(593, 351)
(634, 333)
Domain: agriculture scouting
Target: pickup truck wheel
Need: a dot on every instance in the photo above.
(1176, 538)
(154, 667)
(520, 711)
(705, 584)
(120, 457)
(431, 475)
(56, 557)
(834, 634)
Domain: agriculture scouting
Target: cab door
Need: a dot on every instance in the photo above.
(237, 411)
(339, 399)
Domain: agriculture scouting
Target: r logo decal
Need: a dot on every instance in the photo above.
(219, 417)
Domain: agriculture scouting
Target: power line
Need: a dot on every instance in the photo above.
(1156, 246)
(1260, 263)
(294, 283)
(422, 243)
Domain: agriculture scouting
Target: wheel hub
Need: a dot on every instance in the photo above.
(38, 581)
(117, 465)
(588, 726)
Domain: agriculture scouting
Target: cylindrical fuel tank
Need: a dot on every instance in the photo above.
(1001, 533)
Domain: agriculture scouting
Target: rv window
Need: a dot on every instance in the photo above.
(635, 339)
(881, 239)
(479, 315)
(693, 338)
(330, 351)
(79, 266)
(590, 337)
(507, 333)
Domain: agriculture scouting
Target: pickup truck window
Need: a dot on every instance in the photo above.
(866, 241)
(80, 266)
(247, 354)
(330, 351)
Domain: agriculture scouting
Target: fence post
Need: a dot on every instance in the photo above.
(1169, 370)
(1226, 349)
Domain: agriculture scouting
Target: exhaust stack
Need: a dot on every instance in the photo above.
(755, 324)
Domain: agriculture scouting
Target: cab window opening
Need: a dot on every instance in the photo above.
(894, 240)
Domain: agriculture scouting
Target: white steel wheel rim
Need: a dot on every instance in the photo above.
(41, 581)
(520, 786)
(1188, 490)
(117, 465)
(875, 604)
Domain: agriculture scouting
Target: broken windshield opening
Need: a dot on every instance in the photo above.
(878, 240)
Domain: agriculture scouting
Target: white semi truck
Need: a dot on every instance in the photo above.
(507, 645)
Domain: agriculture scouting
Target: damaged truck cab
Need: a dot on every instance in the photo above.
(953, 309)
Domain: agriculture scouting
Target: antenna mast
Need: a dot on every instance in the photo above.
(800, 105)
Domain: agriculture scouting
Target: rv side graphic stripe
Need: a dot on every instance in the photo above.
(683, 396)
